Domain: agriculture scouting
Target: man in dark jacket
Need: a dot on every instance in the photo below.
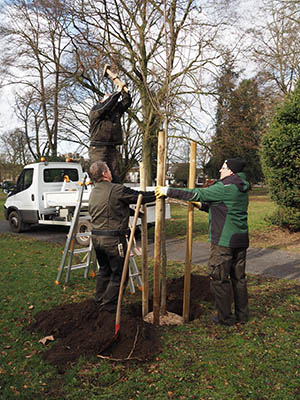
(109, 210)
(227, 204)
(106, 130)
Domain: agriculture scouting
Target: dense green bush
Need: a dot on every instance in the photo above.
(286, 217)
(280, 156)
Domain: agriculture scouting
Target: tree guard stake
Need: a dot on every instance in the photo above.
(189, 236)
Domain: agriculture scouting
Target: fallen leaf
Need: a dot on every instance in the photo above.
(45, 339)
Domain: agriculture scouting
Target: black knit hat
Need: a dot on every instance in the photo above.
(235, 164)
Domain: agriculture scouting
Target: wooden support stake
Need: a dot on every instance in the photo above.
(145, 274)
(158, 229)
(163, 248)
(189, 236)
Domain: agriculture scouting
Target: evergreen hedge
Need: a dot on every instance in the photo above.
(280, 157)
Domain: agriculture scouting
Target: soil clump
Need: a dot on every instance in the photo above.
(79, 329)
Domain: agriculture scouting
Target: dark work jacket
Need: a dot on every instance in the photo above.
(227, 204)
(109, 209)
(105, 120)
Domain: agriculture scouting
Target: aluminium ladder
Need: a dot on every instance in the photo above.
(70, 250)
(90, 256)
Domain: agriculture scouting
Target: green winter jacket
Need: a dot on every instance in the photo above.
(227, 204)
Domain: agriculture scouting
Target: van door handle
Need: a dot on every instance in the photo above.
(32, 197)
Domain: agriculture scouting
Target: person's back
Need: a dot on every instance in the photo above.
(106, 131)
(107, 208)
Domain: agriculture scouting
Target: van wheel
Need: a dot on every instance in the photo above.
(83, 227)
(15, 222)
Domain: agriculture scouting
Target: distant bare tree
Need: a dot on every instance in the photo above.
(33, 59)
(14, 149)
(276, 44)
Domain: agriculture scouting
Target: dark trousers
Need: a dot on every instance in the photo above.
(110, 155)
(227, 274)
(109, 278)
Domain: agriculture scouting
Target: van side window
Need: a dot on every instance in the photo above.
(24, 181)
(57, 174)
(28, 175)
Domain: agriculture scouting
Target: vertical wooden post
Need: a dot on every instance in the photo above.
(145, 275)
(163, 249)
(189, 236)
(158, 229)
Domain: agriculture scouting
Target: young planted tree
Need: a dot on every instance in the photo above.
(281, 161)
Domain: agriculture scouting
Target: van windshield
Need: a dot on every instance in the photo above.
(57, 174)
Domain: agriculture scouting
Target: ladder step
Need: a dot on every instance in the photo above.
(137, 274)
(77, 266)
(79, 251)
(83, 234)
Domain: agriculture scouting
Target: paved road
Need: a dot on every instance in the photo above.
(267, 262)
(49, 233)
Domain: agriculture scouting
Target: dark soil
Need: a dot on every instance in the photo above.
(80, 330)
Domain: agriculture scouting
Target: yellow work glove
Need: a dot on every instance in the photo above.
(197, 204)
(161, 191)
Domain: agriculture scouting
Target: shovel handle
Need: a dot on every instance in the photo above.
(126, 262)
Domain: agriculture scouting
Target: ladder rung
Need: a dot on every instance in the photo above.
(137, 274)
(77, 266)
(83, 234)
(79, 251)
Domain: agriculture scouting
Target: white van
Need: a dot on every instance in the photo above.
(47, 193)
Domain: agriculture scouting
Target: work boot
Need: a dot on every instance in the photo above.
(110, 298)
(101, 286)
(229, 322)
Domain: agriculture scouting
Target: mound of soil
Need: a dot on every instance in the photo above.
(79, 329)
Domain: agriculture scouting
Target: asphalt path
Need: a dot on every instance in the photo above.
(266, 262)
(48, 233)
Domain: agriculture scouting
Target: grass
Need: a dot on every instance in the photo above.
(260, 207)
(259, 360)
(2, 201)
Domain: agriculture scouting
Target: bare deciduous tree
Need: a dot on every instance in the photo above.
(13, 145)
(162, 49)
(276, 44)
(35, 31)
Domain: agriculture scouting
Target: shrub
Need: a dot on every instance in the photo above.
(280, 155)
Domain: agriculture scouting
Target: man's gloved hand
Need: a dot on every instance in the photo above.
(197, 204)
(161, 191)
(121, 86)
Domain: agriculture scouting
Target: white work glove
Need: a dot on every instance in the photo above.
(161, 191)
(197, 204)
(121, 86)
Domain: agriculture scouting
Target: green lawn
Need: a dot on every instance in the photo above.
(2, 201)
(259, 360)
(260, 207)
